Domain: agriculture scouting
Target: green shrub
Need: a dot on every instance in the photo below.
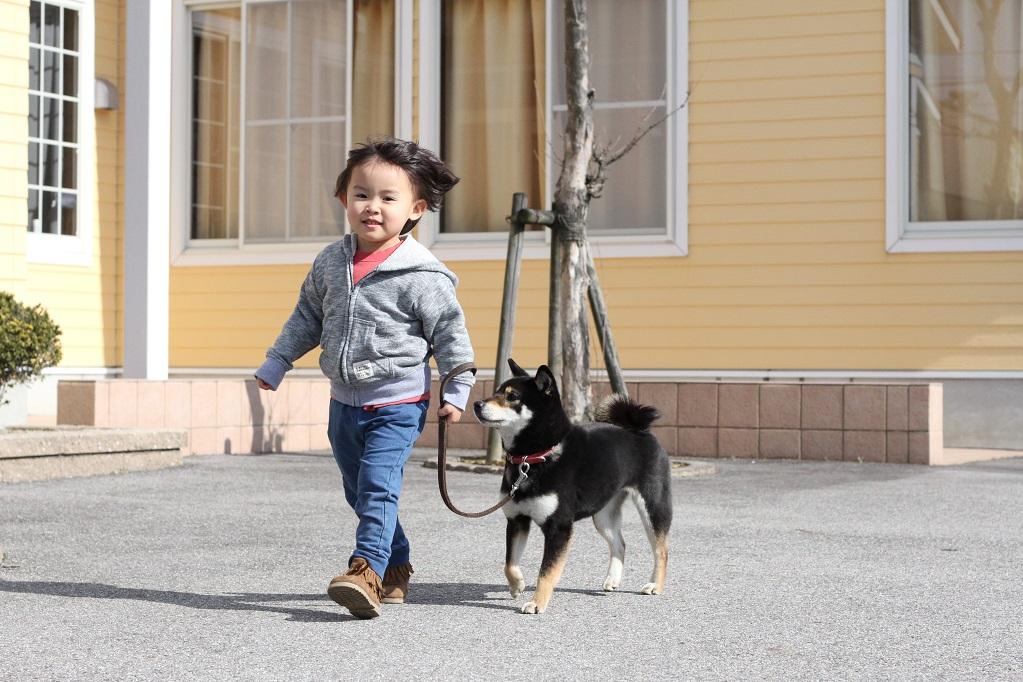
(29, 342)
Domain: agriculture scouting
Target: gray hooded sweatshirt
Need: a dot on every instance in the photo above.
(376, 337)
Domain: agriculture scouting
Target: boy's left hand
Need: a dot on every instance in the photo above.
(449, 413)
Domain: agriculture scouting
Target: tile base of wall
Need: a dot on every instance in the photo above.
(897, 423)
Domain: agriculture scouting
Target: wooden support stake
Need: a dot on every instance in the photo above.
(554, 350)
(532, 216)
(512, 269)
(607, 343)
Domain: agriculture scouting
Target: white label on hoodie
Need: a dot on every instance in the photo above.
(363, 370)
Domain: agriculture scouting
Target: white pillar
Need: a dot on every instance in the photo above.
(147, 188)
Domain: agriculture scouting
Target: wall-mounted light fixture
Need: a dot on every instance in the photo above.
(106, 94)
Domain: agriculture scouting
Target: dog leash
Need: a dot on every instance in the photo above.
(442, 453)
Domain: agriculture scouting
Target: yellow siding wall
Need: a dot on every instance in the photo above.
(227, 316)
(86, 301)
(13, 153)
(787, 266)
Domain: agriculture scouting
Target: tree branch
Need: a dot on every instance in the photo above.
(605, 156)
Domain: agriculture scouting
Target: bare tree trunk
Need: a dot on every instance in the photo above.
(571, 205)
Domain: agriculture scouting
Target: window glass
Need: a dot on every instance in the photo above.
(295, 85)
(318, 70)
(627, 51)
(492, 104)
(494, 127)
(634, 193)
(51, 25)
(281, 161)
(52, 119)
(628, 75)
(373, 69)
(216, 75)
(966, 110)
(70, 29)
(266, 163)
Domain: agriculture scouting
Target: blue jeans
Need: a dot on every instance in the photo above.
(371, 448)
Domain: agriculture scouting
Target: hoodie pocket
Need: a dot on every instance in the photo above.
(365, 363)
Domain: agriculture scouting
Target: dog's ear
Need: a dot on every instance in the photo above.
(545, 380)
(516, 370)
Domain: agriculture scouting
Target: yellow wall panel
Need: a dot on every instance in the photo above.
(228, 316)
(86, 300)
(13, 156)
(785, 150)
(782, 108)
(753, 24)
(807, 47)
(787, 267)
(14, 102)
(787, 130)
(829, 66)
(729, 10)
(10, 43)
(13, 70)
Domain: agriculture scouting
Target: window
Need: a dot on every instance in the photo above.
(278, 93)
(628, 60)
(216, 78)
(955, 118)
(498, 105)
(492, 127)
(53, 110)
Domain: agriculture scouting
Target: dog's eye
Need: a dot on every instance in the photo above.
(512, 395)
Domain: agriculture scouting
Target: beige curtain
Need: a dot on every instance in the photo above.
(492, 109)
(373, 71)
(966, 110)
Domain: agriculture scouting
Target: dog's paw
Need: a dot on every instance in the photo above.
(610, 584)
(531, 607)
(516, 582)
(650, 588)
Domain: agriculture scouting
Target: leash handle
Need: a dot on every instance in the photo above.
(459, 369)
(442, 451)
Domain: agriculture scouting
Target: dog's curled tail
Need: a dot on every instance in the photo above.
(622, 411)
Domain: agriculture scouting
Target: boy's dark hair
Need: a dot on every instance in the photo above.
(430, 177)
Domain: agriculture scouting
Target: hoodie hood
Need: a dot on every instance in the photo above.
(411, 256)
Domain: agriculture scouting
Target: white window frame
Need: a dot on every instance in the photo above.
(903, 235)
(493, 245)
(76, 250)
(203, 252)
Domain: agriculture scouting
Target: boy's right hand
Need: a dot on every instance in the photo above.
(263, 385)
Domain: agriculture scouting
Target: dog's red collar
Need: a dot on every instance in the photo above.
(535, 458)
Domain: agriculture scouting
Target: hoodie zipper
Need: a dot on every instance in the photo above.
(343, 361)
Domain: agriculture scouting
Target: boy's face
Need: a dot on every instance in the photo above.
(379, 201)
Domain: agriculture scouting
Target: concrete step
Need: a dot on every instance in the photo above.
(40, 453)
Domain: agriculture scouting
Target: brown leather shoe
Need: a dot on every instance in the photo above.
(395, 586)
(358, 590)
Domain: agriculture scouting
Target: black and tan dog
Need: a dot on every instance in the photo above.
(576, 471)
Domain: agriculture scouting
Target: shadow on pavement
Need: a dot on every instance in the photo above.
(437, 594)
(218, 602)
(480, 596)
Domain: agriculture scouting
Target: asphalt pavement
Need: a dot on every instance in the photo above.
(217, 570)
